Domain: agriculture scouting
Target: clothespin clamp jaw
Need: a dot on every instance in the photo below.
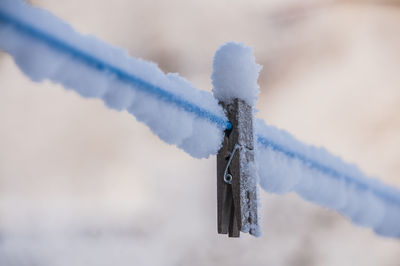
(236, 184)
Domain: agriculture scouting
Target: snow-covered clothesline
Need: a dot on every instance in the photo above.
(45, 47)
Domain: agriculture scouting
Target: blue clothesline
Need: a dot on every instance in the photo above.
(187, 106)
(120, 74)
(391, 198)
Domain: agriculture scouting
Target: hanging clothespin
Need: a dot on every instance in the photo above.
(237, 194)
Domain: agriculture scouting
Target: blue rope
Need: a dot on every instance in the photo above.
(123, 76)
(391, 198)
(169, 97)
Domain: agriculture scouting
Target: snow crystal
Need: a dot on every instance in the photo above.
(235, 74)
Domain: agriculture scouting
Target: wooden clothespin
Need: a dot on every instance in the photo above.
(236, 191)
(234, 78)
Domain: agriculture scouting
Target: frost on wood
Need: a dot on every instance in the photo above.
(235, 74)
(42, 59)
(286, 165)
(249, 176)
(251, 219)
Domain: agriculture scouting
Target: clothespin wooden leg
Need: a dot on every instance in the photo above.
(226, 208)
(237, 195)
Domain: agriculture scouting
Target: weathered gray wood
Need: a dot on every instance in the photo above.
(237, 202)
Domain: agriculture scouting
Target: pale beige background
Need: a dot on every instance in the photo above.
(83, 185)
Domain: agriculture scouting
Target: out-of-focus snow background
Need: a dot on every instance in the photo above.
(84, 185)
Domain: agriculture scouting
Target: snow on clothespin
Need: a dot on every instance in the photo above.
(235, 85)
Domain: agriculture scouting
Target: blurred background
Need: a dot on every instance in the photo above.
(84, 185)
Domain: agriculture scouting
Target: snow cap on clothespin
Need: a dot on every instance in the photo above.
(235, 74)
(235, 85)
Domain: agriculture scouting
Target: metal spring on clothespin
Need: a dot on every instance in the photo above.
(228, 177)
